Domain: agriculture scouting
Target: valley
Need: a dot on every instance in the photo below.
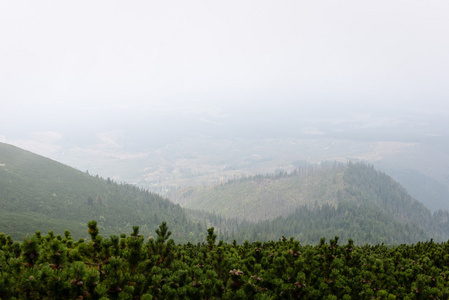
(206, 161)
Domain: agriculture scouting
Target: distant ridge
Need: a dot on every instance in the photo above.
(262, 197)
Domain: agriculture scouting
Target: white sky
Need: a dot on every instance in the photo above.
(69, 56)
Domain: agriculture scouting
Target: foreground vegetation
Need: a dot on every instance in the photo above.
(128, 267)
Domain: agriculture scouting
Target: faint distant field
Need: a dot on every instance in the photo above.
(210, 161)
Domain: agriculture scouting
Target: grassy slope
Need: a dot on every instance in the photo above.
(265, 197)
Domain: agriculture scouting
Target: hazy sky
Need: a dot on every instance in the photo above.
(66, 61)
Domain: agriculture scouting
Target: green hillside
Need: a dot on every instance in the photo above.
(262, 197)
(347, 200)
(37, 193)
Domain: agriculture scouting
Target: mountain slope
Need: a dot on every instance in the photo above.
(37, 193)
(352, 200)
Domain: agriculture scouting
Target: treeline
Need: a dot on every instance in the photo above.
(303, 169)
(132, 267)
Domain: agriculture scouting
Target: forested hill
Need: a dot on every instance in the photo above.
(349, 200)
(263, 197)
(37, 193)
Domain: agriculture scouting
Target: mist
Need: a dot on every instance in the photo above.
(151, 93)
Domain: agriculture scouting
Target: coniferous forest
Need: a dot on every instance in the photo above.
(130, 267)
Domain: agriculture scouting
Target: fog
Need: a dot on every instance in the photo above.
(124, 88)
